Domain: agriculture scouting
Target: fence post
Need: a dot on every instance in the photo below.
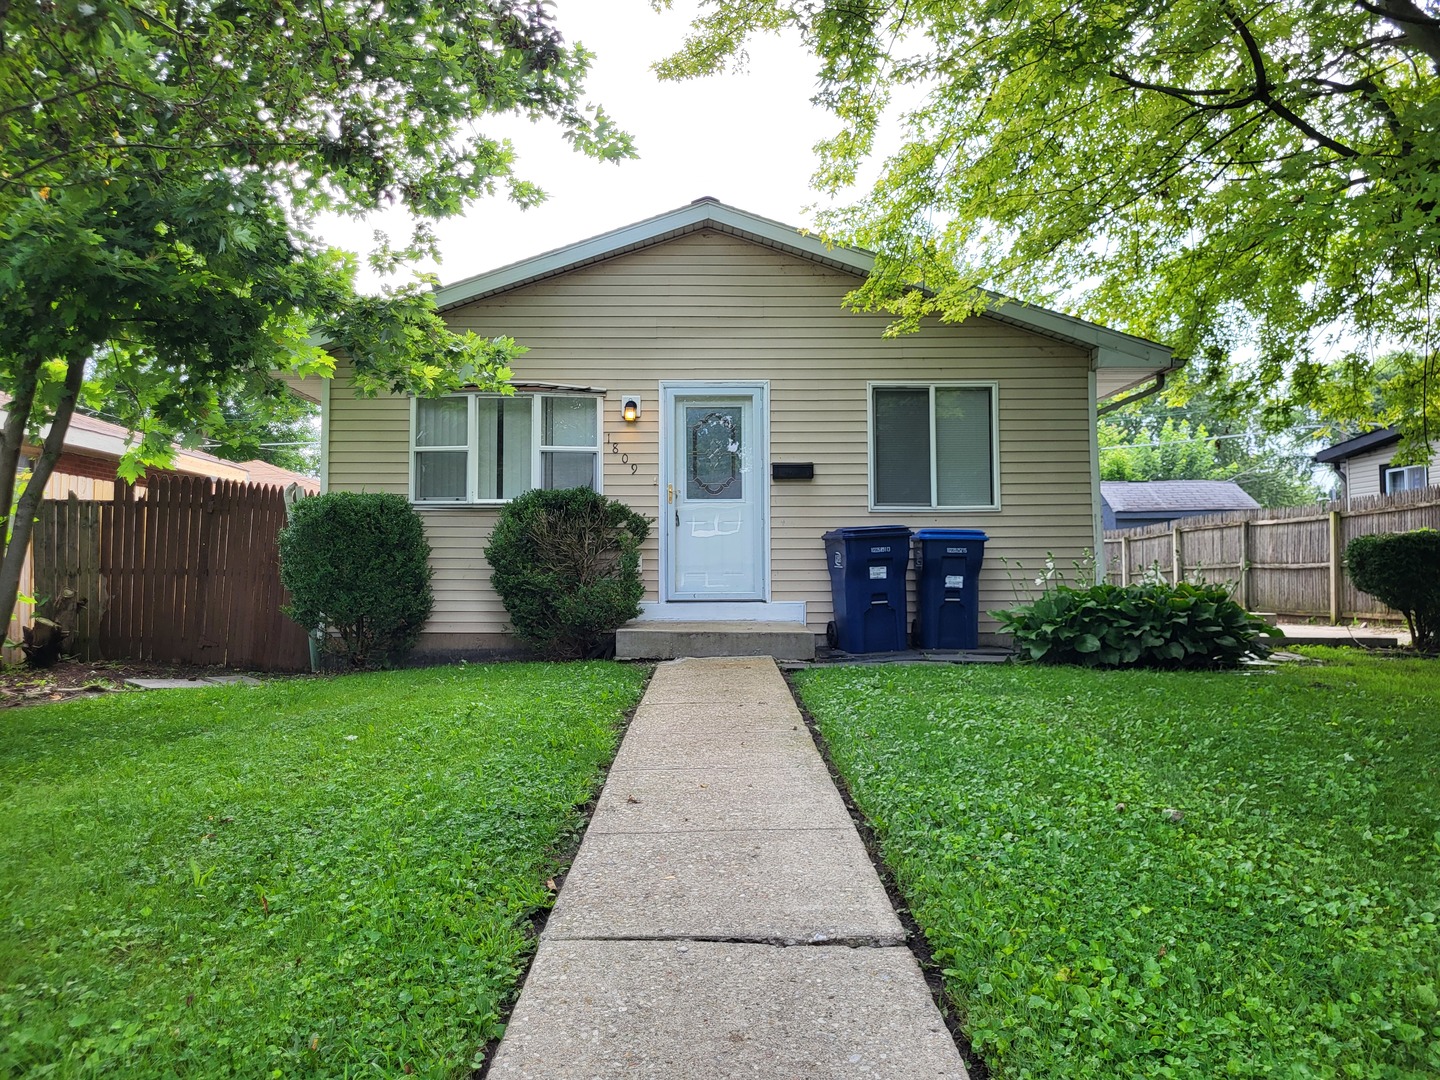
(1124, 560)
(1245, 564)
(1335, 566)
(1177, 567)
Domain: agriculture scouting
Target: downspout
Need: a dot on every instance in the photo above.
(1097, 524)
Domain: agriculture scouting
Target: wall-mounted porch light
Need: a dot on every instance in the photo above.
(630, 408)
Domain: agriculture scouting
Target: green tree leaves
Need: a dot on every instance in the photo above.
(160, 164)
(1243, 180)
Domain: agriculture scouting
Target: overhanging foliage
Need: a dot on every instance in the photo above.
(1240, 179)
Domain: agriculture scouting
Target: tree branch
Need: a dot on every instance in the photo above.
(1418, 27)
(1188, 95)
(1263, 92)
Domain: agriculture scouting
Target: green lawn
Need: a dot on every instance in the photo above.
(1285, 927)
(319, 877)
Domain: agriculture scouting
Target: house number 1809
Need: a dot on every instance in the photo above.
(624, 458)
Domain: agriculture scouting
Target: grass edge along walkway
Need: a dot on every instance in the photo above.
(329, 877)
(1279, 921)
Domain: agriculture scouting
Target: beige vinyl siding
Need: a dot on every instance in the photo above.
(1362, 472)
(712, 306)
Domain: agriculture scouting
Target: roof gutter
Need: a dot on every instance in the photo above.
(1139, 395)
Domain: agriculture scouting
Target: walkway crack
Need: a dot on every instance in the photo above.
(859, 941)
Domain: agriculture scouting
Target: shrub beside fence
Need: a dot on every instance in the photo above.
(187, 573)
(1283, 562)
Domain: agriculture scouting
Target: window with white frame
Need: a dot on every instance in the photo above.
(483, 448)
(933, 446)
(1404, 478)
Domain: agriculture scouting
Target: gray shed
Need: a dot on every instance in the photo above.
(1129, 505)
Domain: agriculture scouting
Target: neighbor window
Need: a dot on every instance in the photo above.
(486, 448)
(932, 446)
(1406, 478)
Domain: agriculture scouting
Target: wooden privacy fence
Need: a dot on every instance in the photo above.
(1283, 562)
(188, 572)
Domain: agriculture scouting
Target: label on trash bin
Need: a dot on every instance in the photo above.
(957, 551)
(954, 581)
(880, 550)
(839, 560)
(878, 573)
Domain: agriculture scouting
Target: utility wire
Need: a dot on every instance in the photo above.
(1176, 442)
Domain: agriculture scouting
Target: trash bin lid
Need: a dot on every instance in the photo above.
(950, 534)
(860, 532)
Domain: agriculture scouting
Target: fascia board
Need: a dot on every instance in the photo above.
(697, 215)
(1111, 348)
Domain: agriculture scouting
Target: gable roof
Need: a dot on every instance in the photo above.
(1121, 360)
(1161, 496)
(1371, 440)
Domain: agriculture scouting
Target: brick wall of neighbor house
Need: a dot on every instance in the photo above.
(1362, 471)
(712, 306)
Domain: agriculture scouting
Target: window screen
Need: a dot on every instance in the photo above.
(934, 446)
(963, 471)
(902, 446)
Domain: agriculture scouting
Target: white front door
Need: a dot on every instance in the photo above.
(717, 492)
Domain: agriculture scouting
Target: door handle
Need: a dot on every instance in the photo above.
(670, 493)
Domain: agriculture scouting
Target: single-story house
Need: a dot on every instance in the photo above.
(1364, 466)
(764, 414)
(1128, 504)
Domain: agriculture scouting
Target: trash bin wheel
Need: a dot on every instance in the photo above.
(832, 634)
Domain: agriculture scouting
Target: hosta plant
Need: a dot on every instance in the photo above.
(1154, 624)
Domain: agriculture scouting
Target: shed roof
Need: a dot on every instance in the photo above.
(1150, 496)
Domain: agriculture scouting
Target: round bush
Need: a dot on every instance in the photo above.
(358, 565)
(1402, 570)
(567, 567)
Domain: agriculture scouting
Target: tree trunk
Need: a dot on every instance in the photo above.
(24, 524)
(16, 416)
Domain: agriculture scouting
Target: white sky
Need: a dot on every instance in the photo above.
(744, 138)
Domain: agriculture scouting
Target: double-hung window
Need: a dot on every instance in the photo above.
(1404, 478)
(933, 446)
(483, 448)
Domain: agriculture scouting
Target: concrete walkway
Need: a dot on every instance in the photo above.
(722, 918)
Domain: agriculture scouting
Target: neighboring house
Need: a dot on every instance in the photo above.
(767, 415)
(93, 448)
(1364, 466)
(1129, 505)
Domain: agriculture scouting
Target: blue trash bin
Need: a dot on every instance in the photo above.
(867, 582)
(947, 587)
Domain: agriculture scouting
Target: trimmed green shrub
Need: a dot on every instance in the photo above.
(1402, 570)
(1146, 625)
(567, 567)
(358, 565)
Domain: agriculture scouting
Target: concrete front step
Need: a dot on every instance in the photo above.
(669, 640)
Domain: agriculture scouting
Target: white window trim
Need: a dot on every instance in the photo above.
(1404, 471)
(472, 463)
(932, 386)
